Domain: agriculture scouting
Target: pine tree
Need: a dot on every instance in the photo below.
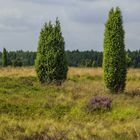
(4, 58)
(114, 59)
(51, 63)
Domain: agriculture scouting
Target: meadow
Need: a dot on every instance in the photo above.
(30, 111)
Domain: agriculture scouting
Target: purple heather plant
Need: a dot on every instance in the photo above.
(99, 103)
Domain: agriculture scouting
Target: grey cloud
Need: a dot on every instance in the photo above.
(16, 24)
(88, 16)
(52, 2)
(82, 22)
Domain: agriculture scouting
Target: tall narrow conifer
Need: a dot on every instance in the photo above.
(114, 58)
(51, 63)
(4, 58)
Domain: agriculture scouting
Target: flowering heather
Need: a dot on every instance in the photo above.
(99, 103)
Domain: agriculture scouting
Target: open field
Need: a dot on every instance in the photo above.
(29, 111)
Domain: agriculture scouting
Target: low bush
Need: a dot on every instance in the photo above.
(133, 93)
(99, 103)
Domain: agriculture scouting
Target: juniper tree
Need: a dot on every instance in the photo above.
(4, 58)
(51, 63)
(114, 58)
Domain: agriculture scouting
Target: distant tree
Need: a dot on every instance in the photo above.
(4, 58)
(128, 60)
(17, 63)
(74, 58)
(51, 63)
(88, 63)
(94, 64)
(0, 58)
(114, 60)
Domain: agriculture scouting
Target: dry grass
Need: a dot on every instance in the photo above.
(17, 72)
(83, 71)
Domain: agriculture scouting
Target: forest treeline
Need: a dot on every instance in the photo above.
(75, 58)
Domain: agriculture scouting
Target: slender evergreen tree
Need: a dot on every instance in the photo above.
(4, 58)
(51, 63)
(114, 58)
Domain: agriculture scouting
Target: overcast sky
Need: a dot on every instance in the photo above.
(82, 22)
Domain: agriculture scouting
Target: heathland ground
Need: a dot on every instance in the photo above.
(30, 111)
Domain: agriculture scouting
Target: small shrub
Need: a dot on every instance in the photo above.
(133, 93)
(99, 103)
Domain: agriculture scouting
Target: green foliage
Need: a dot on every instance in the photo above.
(114, 61)
(51, 64)
(17, 63)
(135, 58)
(128, 60)
(84, 58)
(4, 58)
(74, 58)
